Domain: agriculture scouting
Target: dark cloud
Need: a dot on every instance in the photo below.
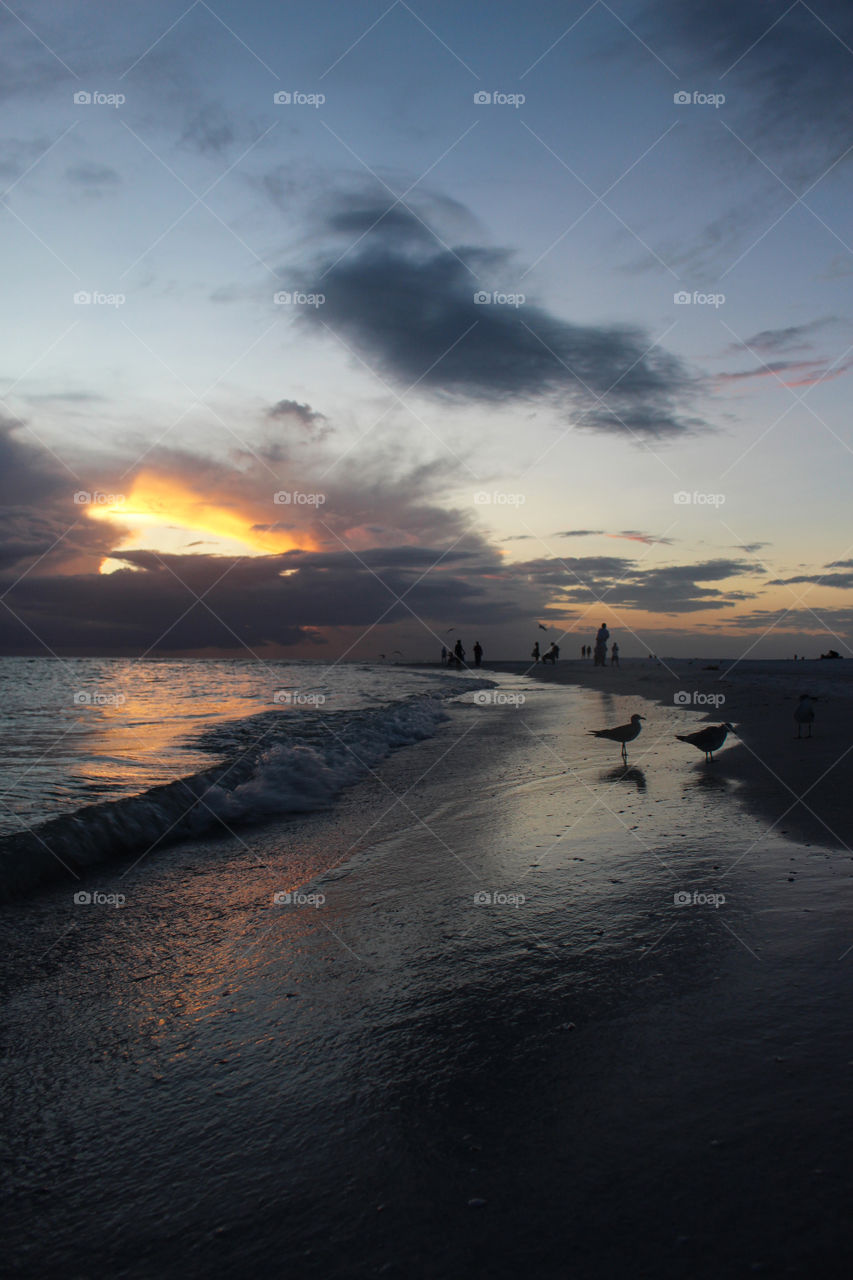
(257, 602)
(210, 130)
(578, 533)
(302, 415)
(93, 177)
(407, 304)
(794, 337)
(841, 581)
(785, 69)
(628, 584)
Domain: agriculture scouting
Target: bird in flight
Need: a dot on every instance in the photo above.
(623, 733)
(804, 714)
(542, 627)
(709, 739)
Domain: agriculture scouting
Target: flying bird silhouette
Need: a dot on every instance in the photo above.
(804, 714)
(623, 733)
(542, 628)
(709, 739)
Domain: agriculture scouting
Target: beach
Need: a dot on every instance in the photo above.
(505, 1007)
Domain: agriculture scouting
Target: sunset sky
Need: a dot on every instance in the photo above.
(478, 401)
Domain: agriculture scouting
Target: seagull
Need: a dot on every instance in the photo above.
(708, 740)
(541, 627)
(804, 713)
(623, 733)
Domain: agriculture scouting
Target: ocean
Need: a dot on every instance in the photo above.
(102, 756)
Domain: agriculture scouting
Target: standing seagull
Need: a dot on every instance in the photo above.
(623, 733)
(804, 714)
(708, 740)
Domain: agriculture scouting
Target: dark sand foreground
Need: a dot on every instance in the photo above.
(576, 1077)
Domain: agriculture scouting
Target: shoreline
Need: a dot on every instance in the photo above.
(799, 787)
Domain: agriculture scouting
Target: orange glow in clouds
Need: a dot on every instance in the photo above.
(160, 513)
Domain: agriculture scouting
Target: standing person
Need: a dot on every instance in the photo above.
(614, 655)
(534, 652)
(583, 650)
(556, 653)
(459, 653)
(444, 655)
(601, 638)
(478, 653)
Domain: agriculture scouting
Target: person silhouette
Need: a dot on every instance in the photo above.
(478, 653)
(601, 638)
(614, 655)
(534, 653)
(459, 653)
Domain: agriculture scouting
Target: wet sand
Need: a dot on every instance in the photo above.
(802, 787)
(578, 1077)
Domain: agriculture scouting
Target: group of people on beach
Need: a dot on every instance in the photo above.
(455, 657)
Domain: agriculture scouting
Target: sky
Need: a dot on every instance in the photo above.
(332, 327)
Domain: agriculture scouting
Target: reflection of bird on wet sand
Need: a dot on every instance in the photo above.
(708, 740)
(623, 774)
(804, 714)
(623, 733)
